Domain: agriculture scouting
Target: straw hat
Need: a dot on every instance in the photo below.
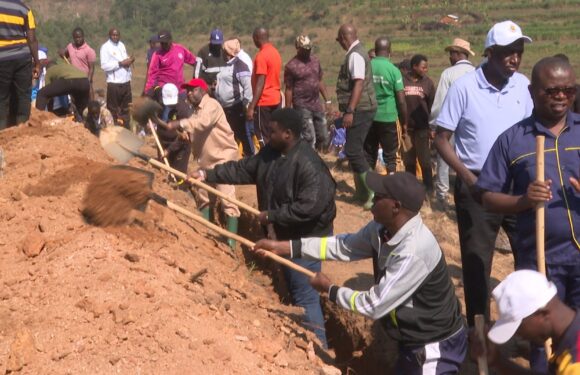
(461, 46)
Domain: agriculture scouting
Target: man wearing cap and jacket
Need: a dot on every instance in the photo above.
(303, 87)
(459, 52)
(210, 58)
(413, 296)
(212, 142)
(167, 63)
(477, 108)
(530, 308)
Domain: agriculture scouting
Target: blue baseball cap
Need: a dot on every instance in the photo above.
(216, 37)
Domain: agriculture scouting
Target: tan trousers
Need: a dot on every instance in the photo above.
(204, 199)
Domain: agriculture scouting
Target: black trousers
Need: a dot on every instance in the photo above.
(385, 134)
(118, 99)
(478, 231)
(421, 149)
(262, 116)
(355, 139)
(236, 116)
(78, 88)
(15, 91)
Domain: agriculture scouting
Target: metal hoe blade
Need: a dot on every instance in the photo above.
(120, 143)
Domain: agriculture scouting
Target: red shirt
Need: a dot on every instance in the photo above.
(269, 63)
(81, 57)
(167, 66)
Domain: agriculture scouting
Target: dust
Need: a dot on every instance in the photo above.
(113, 193)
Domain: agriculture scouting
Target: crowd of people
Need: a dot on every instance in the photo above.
(257, 121)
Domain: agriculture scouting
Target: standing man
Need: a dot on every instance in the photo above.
(511, 187)
(211, 58)
(80, 54)
(391, 106)
(212, 143)
(303, 87)
(18, 48)
(419, 94)
(234, 92)
(295, 194)
(265, 85)
(413, 296)
(167, 63)
(459, 52)
(117, 66)
(357, 102)
(479, 107)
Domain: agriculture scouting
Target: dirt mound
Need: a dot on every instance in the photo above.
(158, 296)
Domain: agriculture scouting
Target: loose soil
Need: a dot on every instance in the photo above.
(160, 294)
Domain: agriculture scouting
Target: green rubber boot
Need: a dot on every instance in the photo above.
(369, 194)
(232, 226)
(205, 212)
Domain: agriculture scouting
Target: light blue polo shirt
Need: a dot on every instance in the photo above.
(478, 113)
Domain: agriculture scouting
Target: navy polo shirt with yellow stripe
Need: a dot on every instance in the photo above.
(16, 20)
(511, 166)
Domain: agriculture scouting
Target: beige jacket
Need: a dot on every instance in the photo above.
(212, 139)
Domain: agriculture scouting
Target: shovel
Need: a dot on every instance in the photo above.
(102, 200)
(123, 145)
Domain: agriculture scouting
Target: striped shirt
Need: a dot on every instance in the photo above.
(15, 21)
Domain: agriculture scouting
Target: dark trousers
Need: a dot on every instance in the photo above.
(305, 296)
(355, 139)
(421, 150)
(385, 134)
(15, 91)
(262, 116)
(119, 98)
(437, 358)
(236, 116)
(478, 231)
(78, 88)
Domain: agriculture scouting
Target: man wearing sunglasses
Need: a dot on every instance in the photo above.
(510, 184)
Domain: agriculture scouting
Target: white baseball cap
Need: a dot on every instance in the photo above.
(520, 295)
(505, 33)
(169, 93)
(42, 55)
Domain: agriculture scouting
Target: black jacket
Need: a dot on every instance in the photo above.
(297, 190)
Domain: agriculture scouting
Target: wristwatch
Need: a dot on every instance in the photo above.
(348, 110)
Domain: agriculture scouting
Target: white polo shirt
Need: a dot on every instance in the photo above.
(478, 113)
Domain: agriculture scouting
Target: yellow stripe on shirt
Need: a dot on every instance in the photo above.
(13, 20)
(31, 22)
(6, 43)
(353, 302)
(323, 241)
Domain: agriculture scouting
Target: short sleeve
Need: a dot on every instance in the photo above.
(91, 55)
(31, 23)
(495, 175)
(452, 109)
(260, 65)
(356, 66)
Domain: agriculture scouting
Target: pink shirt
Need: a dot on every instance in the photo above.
(81, 57)
(167, 66)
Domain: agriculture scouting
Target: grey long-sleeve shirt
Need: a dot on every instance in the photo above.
(413, 289)
(234, 83)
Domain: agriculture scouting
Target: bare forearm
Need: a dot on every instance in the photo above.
(505, 203)
(33, 45)
(402, 107)
(260, 83)
(356, 94)
(448, 154)
(288, 97)
(506, 367)
(323, 92)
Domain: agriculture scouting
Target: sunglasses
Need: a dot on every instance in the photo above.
(555, 91)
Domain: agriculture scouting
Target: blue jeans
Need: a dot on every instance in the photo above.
(314, 130)
(305, 296)
(567, 281)
(250, 133)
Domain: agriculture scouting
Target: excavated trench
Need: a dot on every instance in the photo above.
(360, 344)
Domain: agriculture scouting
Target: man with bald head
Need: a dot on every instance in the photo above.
(392, 106)
(117, 66)
(510, 184)
(265, 85)
(358, 104)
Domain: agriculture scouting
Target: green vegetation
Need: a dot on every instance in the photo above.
(413, 25)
